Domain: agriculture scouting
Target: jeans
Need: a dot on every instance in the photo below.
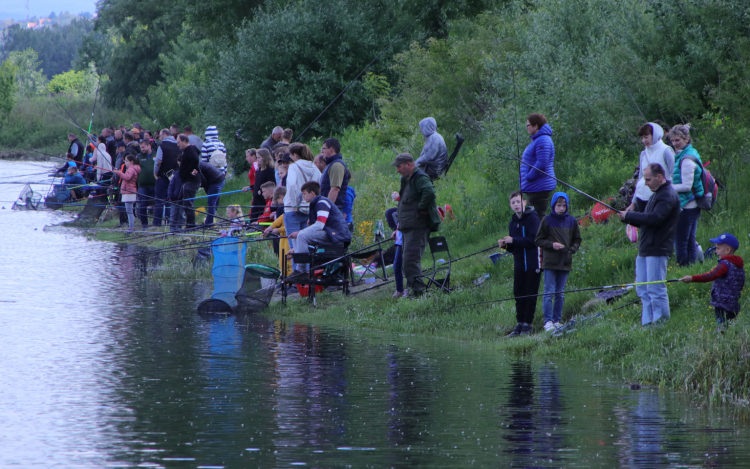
(213, 201)
(306, 238)
(684, 242)
(554, 282)
(293, 222)
(653, 297)
(145, 198)
(397, 266)
(177, 215)
(131, 216)
(161, 208)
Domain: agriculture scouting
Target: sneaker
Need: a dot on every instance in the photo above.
(557, 325)
(405, 294)
(144, 228)
(549, 326)
(516, 330)
(525, 329)
(397, 294)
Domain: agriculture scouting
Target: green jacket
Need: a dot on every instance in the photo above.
(146, 176)
(417, 195)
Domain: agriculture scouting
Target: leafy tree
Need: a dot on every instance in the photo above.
(56, 46)
(30, 80)
(142, 30)
(75, 82)
(287, 75)
(8, 89)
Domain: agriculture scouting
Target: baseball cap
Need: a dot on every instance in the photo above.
(403, 158)
(728, 239)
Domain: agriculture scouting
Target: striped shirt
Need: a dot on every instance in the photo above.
(210, 145)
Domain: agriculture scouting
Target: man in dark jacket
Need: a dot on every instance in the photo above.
(275, 138)
(658, 224)
(212, 181)
(146, 182)
(417, 216)
(165, 161)
(190, 176)
(76, 148)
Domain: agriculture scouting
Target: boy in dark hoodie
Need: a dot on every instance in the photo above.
(522, 230)
(560, 238)
(728, 278)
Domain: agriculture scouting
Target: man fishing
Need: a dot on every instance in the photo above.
(656, 236)
(434, 154)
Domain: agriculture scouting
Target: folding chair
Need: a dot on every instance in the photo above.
(438, 244)
(364, 260)
(331, 275)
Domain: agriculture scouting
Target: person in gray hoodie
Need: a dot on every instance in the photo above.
(434, 154)
(655, 151)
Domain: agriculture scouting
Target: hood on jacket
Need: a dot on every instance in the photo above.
(657, 133)
(556, 196)
(527, 211)
(212, 132)
(736, 260)
(428, 126)
(545, 130)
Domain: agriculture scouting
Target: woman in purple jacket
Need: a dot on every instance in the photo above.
(538, 163)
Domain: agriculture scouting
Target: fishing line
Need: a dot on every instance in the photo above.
(561, 182)
(623, 285)
(427, 269)
(363, 71)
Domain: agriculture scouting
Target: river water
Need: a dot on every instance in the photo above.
(102, 367)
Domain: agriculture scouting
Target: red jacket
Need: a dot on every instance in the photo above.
(266, 217)
(251, 174)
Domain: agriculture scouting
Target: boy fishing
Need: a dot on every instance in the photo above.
(728, 278)
(560, 238)
(522, 231)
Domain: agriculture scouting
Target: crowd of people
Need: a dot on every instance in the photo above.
(665, 207)
(305, 199)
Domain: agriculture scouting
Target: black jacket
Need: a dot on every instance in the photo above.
(191, 158)
(210, 174)
(262, 176)
(523, 231)
(658, 224)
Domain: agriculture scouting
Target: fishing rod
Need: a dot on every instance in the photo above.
(91, 122)
(558, 180)
(427, 269)
(622, 285)
(197, 245)
(363, 71)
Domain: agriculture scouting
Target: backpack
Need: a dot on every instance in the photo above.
(710, 188)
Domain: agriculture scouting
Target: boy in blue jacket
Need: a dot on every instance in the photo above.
(526, 273)
(560, 238)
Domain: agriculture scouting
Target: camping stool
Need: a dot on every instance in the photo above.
(321, 254)
(438, 244)
(364, 259)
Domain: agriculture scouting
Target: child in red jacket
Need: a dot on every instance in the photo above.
(728, 278)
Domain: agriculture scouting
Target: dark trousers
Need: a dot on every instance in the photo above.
(145, 199)
(161, 209)
(686, 252)
(540, 202)
(640, 205)
(213, 191)
(415, 242)
(722, 315)
(189, 189)
(526, 283)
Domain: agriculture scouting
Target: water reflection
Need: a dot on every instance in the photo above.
(103, 366)
(532, 415)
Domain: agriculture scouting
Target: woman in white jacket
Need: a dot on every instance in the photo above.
(301, 171)
(655, 152)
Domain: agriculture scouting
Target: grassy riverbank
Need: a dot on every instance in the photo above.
(686, 354)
